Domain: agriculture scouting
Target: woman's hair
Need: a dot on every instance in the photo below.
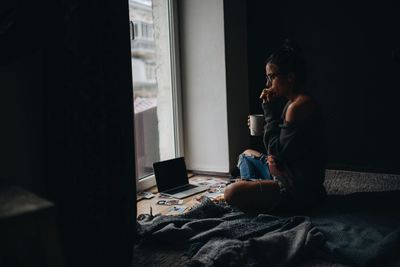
(289, 60)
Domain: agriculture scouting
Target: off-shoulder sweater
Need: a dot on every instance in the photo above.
(298, 149)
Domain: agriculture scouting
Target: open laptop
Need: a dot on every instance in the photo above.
(172, 180)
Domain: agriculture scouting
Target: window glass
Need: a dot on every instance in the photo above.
(152, 76)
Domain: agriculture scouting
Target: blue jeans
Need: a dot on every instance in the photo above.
(252, 167)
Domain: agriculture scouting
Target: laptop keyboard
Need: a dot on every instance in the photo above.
(180, 189)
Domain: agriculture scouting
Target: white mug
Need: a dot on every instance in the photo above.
(256, 124)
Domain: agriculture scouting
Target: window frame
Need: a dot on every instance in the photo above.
(172, 6)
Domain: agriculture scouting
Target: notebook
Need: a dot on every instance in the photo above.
(172, 180)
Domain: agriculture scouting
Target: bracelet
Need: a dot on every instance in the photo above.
(259, 183)
(282, 188)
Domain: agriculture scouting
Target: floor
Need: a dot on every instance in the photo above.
(171, 206)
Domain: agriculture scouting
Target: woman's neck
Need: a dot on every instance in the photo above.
(292, 96)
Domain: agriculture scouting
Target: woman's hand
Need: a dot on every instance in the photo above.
(267, 95)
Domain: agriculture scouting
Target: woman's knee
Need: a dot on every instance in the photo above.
(251, 152)
(247, 153)
(233, 193)
(230, 193)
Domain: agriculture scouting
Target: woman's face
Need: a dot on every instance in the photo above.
(281, 84)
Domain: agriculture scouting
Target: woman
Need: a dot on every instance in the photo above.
(292, 172)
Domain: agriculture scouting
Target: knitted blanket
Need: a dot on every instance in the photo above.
(361, 229)
(218, 235)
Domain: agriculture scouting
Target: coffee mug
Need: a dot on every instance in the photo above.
(256, 124)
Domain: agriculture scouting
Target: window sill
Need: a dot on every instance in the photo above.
(145, 183)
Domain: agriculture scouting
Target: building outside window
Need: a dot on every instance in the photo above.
(155, 90)
(150, 75)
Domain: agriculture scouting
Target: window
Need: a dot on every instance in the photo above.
(142, 30)
(155, 86)
(150, 72)
(147, 30)
(134, 30)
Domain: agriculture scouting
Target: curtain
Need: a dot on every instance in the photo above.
(88, 129)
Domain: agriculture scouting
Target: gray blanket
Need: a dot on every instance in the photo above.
(221, 236)
(362, 229)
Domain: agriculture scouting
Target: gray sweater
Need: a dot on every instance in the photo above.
(299, 149)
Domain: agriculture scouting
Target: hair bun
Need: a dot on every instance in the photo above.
(291, 45)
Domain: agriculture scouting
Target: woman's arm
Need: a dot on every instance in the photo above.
(283, 139)
(273, 118)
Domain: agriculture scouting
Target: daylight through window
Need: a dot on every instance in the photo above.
(154, 75)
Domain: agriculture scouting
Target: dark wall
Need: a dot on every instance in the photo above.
(352, 51)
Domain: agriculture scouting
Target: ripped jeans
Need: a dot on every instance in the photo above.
(252, 167)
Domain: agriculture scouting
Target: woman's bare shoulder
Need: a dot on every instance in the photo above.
(300, 109)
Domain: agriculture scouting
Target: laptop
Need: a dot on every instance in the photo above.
(172, 180)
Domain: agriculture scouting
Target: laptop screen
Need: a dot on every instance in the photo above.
(170, 173)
